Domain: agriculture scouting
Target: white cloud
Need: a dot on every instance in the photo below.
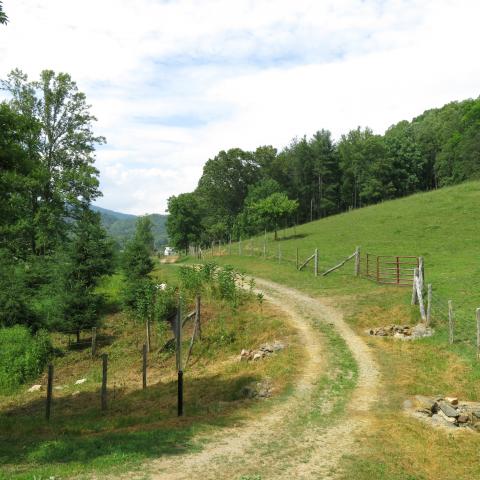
(174, 82)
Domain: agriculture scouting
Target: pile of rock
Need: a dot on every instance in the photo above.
(261, 389)
(402, 332)
(263, 351)
(448, 411)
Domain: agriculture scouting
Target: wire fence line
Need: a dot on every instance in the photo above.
(461, 326)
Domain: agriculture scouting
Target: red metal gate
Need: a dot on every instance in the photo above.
(390, 270)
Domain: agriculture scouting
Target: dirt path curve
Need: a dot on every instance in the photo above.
(283, 452)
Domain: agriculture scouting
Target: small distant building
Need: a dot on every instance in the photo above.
(169, 251)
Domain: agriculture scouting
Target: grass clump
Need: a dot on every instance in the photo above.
(22, 356)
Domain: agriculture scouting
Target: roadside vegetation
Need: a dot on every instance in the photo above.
(142, 424)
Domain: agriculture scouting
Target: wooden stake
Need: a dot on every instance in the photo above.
(104, 381)
(279, 254)
(180, 394)
(414, 288)
(48, 408)
(198, 304)
(357, 261)
(315, 265)
(178, 336)
(94, 341)
(421, 270)
(420, 299)
(429, 304)
(147, 325)
(144, 369)
(296, 259)
(450, 322)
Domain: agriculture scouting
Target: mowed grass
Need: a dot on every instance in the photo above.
(444, 227)
(142, 424)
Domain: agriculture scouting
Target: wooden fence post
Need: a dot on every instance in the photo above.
(429, 304)
(94, 341)
(104, 381)
(279, 254)
(198, 303)
(48, 408)
(144, 369)
(296, 259)
(357, 261)
(421, 270)
(450, 322)
(179, 359)
(420, 298)
(478, 333)
(315, 265)
(414, 287)
(147, 333)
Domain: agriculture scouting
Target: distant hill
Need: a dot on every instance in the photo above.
(121, 226)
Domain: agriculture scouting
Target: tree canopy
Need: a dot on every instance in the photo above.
(439, 147)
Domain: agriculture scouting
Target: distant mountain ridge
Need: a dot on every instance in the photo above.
(121, 226)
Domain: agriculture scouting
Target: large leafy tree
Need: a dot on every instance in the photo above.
(64, 179)
(224, 184)
(272, 209)
(184, 223)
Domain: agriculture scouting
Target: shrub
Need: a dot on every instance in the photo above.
(22, 356)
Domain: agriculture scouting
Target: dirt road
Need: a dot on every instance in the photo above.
(285, 443)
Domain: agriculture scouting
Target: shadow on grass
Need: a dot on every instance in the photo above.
(292, 237)
(103, 340)
(137, 425)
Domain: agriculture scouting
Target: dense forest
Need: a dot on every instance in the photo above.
(244, 192)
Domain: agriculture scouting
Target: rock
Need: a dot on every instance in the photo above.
(244, 353)
(74, 394)
(424, 404)
(463, 418)
(79, 382)
(35, 388)
(452, 400)
(257, 356)
(446, 417)
(59, 387)
(278, 346)
(447, 409)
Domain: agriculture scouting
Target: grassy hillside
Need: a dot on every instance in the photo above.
(121, 226)
(443, 226)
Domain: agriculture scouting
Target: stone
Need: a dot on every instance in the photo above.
(446, 417)
(257, 356)
(79, 382)
(59, 387)
(35, 388)
(424, 404)
(452, 400)
(447, 409)
(463, 418)
(74, 394)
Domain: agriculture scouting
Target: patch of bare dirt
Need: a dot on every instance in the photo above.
(266, 445)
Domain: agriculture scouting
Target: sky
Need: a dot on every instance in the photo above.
(172, 83)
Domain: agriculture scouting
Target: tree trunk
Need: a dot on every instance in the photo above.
(78, 336)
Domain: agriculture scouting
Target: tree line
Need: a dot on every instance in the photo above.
(241, 193)
(53, 248)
